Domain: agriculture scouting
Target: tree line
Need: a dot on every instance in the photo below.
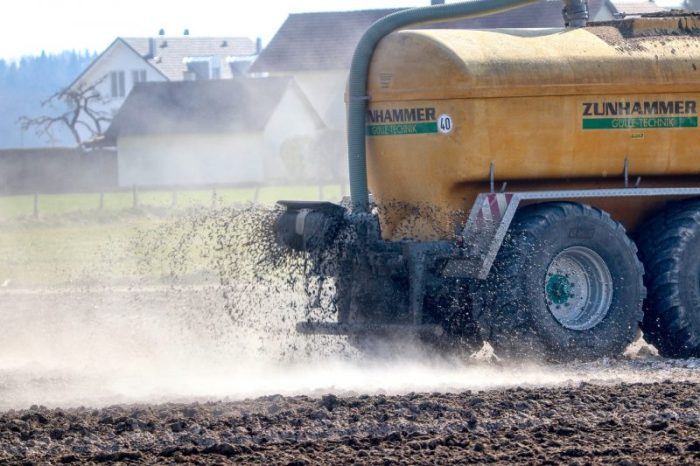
(25, 84)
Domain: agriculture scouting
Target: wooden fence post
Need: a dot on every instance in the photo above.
(256, 194)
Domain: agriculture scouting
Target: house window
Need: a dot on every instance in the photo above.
(200, 69)
(116, 80)
(138, 76)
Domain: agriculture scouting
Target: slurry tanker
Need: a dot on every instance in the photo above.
(538, 189)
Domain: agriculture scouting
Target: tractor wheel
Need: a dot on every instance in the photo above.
(566, 285)
(669, 246)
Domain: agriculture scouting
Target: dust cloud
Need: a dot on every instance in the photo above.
(83, 348)
(230, 334)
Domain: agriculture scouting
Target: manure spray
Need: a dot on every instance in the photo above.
(223, 328)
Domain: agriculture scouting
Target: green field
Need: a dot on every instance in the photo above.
(68, 254)
(73, 243)
(52, 204)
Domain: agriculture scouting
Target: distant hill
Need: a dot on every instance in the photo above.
(25, 84)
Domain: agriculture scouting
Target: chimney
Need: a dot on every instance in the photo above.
(437, 2)
(258, 46)
(151, 47)
(186, 32)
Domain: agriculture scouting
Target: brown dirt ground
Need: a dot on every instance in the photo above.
(586, 424)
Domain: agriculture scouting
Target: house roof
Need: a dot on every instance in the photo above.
(231, 105)
(636, 8)
(115, 42)
(327, 40)
(171, 52)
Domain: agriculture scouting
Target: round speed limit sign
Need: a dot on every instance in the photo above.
(445, 124)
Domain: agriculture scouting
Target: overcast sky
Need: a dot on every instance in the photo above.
(29, 26)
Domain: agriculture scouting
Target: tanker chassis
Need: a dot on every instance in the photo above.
(506, 168)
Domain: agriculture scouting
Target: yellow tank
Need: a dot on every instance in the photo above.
(552, 109)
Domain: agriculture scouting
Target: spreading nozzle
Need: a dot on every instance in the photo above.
(308, 226)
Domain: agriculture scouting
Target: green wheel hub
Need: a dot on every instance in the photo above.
(558, 289)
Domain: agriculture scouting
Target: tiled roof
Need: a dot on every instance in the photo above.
(171, 52)
(312, 41)
(326, 40)
(231, 105)
(637, 8)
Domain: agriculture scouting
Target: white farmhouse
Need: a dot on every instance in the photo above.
(235, 132)
(129, 61)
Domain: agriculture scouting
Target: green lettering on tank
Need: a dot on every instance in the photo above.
(641, 123)
(402, 129)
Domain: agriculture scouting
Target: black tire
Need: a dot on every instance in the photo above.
(518, 315)
(669, 246)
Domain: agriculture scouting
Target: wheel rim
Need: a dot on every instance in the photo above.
(578, 288)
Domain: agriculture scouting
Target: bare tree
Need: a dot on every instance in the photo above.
(73, 109)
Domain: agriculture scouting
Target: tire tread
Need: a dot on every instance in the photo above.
(661, 247)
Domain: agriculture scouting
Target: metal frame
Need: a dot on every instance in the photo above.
(483, 237)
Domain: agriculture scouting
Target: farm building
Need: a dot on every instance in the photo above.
(234, 131)
(128, 61)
